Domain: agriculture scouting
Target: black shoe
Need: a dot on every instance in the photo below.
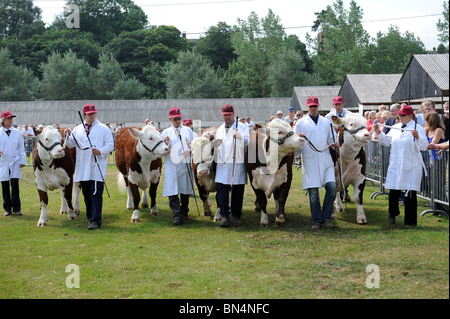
(236, 222)
(93, 225)
(224, 222)
(391, 220)
(178, 221)
(7, 213)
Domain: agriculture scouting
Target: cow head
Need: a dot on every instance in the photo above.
(282, 133)
(50, 144)
(151, 140)
(203, 149)
(354, 129)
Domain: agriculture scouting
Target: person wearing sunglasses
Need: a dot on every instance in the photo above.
(177, 182)
(407, 139)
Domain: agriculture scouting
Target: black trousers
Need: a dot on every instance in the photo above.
(410, 206)
(93, 198)
(11, 195)
(179, 206)
(223, 198)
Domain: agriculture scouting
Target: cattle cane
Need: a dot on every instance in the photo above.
(234, 162)
(339, 165)
(95, 157)
(189, 169)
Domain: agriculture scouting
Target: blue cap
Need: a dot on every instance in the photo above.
(290, 109)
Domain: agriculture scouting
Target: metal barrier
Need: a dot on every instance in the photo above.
(434, 185)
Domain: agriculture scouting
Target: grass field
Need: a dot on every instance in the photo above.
(153, 259)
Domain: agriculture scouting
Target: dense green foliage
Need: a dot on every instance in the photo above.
(117, 53)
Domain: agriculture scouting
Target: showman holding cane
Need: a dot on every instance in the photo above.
(231, 175)
(94, 142)
(178, 178)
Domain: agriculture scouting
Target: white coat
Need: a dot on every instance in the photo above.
(405, 160)
(317, 167)
(13, 149)
(224, 159)
(101, 138)
(176, 174)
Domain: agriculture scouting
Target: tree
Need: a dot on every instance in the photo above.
(193, 77)
(443, 25)
(341, 44)
(16, 83)
(67, 78)
(216, 45)
(20, 19)
(106, 19)
(155, 81)
(392, 52)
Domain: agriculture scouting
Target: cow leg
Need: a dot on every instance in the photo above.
(204, 196)
(129, 198)
(262, 201)
(339, 207)
(68, 200)
(279, 212)
(144, 202)
(152, 193)
(76, 197)
(64, 207)
(44, 202)
(358, 197)
(134, 189)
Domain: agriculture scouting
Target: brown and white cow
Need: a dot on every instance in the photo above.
(204, 167)
(269, 162)
(138, 157)
(54, 167)
(352, 134)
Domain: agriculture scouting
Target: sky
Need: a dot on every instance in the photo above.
(194, 17)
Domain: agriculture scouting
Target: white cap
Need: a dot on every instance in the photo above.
(279, 112)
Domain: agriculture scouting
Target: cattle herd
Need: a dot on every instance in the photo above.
(138, 156)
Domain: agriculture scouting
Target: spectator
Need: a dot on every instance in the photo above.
(384, 116)
(318, 167)
(445, 119)
(291, 116)
(338, 109)
(12, 159)
(250, 123)
(405, 164)
(271, 118)
(15, 126)
(426, 106)
(390, 121)
(108, 125)
(118, 128)
(27, 131)
(280, 115)
(434, 129)
(188, 123)
(382, 108)
(371, 120)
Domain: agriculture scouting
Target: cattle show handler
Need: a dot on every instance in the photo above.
(90, 172)
(318, 166)
(177, 167)
(12, 159)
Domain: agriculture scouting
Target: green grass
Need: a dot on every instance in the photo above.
(153, 259)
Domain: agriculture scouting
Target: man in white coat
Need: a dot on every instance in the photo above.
(87, 172)
(177, 167)
(318, 166)
(404, 173)
(230, 173)
(12, 159)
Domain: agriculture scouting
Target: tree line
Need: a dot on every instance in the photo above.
(117, 54)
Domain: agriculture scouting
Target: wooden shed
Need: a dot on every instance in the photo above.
(426, 76)
(325, 94)
(369, 90)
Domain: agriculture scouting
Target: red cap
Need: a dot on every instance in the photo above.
(187, 121)
(227, 109)
(89, 108)
(337, 100)
(7, 114)
(312, 100)
(175, 112)
(406, 110)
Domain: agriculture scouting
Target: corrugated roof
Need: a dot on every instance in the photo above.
(374, 88)
(437, 67)
(324, 93)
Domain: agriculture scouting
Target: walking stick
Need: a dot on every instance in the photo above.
(95, 157)
(339, 166)
(234, 162)
(189, 169)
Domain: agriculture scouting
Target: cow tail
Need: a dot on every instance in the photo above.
(121, 183)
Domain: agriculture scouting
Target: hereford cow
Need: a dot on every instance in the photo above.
(350, 168)
(138, 157)
(53, 167)
(269, 162)
(204, 167)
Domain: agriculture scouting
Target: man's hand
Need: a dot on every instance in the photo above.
(96, 152)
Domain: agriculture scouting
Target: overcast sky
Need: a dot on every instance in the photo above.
(297, 16)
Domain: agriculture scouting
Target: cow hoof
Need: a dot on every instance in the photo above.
(42, 223)
(72, 217)
(63, 212)
(144, 205)
(76, 211)
(264, 225)
(135, 220)
(217, 219)
(333, 216)
(361, 221)
(130, 208)
(206, 213)
(154, 213)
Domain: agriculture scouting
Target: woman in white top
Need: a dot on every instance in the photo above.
(407, 139)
